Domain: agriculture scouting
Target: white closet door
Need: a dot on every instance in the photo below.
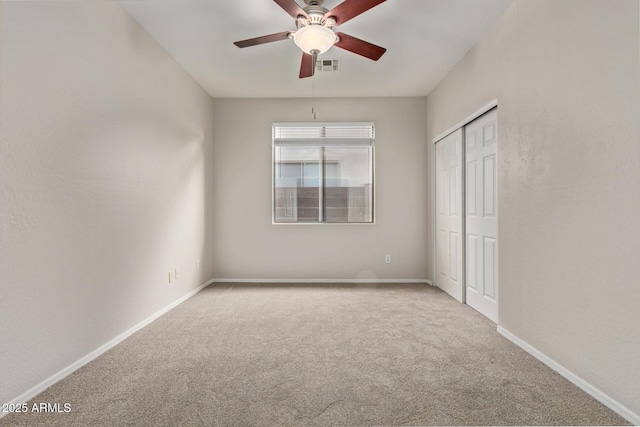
(481, 215)
(449, 215)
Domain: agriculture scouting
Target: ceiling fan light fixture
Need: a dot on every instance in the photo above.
(315, 39)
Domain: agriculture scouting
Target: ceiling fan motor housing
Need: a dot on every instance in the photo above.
(314, 34)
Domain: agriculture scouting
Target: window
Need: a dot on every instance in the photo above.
(323, 172)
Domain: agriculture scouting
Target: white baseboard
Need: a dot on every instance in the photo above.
(236, 280)
(39, 388)
(601, 397)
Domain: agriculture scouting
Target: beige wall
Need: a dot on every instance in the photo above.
(103, 183)
(248, 246)
(567, 78)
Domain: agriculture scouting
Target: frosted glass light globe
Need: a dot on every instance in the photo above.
(314, 39)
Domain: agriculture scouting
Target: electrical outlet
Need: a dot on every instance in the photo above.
(177, 274)
(387, 258)
(197, 264)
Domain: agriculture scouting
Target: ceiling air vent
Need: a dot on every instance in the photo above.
(327, 65)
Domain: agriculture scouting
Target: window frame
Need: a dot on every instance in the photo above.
(322, 146)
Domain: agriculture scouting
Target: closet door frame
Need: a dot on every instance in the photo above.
(460, 125)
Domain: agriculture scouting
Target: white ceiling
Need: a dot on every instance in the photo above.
(424, 40)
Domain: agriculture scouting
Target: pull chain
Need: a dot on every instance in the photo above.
(313, 93)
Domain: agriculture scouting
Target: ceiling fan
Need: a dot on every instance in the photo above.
(314, 34)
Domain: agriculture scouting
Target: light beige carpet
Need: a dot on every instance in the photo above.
(276, 355)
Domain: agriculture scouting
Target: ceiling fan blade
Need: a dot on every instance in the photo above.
(292, 8)
(350, 9)
(359, 47)
(264, 39)
(308, 66)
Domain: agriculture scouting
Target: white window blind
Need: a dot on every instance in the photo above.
(324, 133)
